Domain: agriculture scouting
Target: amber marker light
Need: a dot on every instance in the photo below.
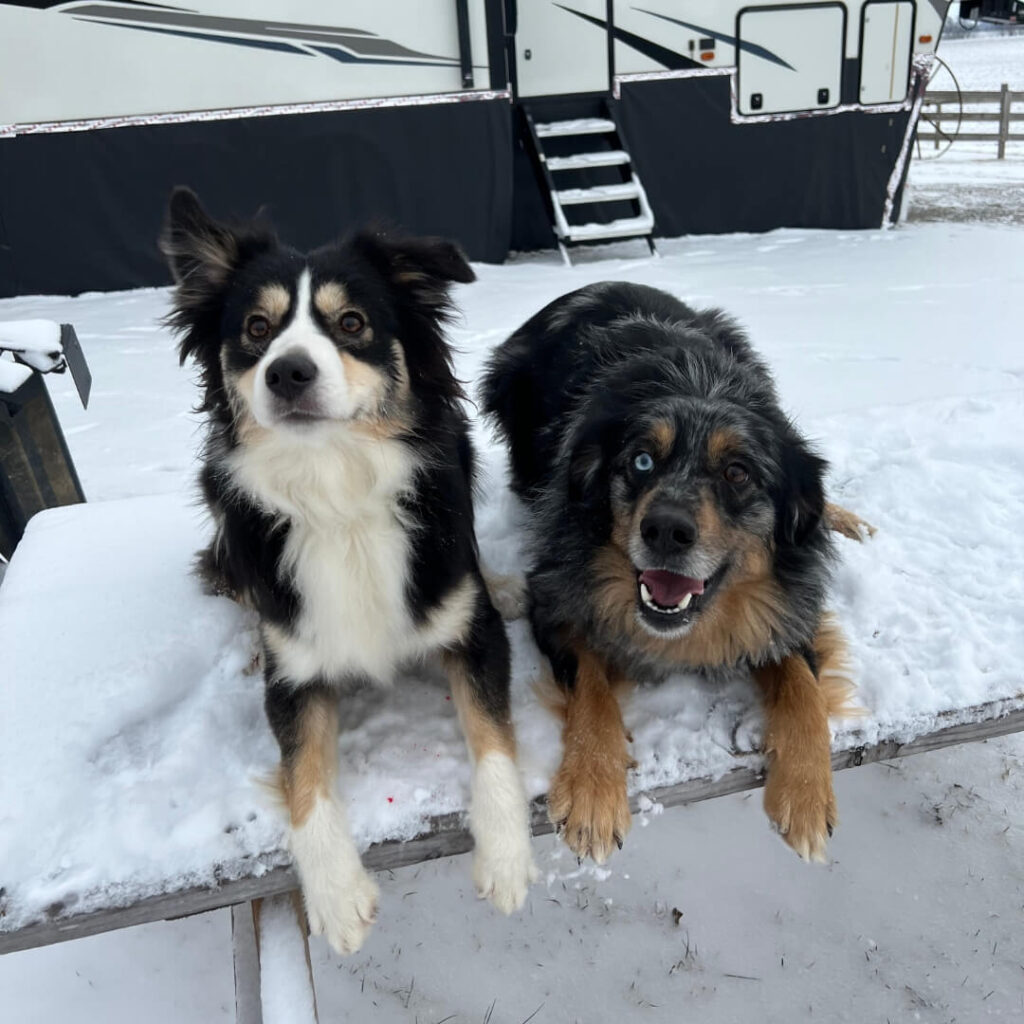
(924, 39)
(708, 55)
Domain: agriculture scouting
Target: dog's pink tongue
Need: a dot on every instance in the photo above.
(669, 588)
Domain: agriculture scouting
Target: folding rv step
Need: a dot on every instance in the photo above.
(599, 194)
(578, 126)
(626, 228)
(581, 160)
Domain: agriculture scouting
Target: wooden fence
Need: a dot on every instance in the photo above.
(945, 113)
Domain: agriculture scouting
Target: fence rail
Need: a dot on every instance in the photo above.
(933, 114)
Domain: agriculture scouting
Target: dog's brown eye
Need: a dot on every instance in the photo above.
(352, 323)
(736, 473)
(258, 327)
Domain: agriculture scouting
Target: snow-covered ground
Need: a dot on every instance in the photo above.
(902, 353)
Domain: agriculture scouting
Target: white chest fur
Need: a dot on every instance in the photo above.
(347, 553)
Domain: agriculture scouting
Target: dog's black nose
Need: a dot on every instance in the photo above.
(667, 530)
(289, 375)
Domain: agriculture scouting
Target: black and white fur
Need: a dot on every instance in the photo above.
(339, 473)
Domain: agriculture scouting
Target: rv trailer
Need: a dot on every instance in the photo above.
(505, 125)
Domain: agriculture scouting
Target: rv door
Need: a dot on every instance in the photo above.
(886, 39)
(561, 49)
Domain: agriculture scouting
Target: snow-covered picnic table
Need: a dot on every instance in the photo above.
(132, 735)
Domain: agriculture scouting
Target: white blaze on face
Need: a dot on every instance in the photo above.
(333, 395)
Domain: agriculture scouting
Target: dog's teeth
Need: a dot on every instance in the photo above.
(648, 599)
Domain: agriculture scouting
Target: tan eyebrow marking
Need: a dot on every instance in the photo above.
(330, 298)
(721, 442)
(274, 300)
(663, 434)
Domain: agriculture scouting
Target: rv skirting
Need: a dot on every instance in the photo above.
(706, 172)
(81, 211)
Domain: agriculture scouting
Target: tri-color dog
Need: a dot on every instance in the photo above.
(338, 471)
(678, 522)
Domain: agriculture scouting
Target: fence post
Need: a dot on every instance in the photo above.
(1004, 119)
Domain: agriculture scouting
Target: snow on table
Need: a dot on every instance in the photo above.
(132, 735)
(30, 336)
(132, 738)
(37, 342)
(12, 375)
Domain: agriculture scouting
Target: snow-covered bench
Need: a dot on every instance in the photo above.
(132, 735)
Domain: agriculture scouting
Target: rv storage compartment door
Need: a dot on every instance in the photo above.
(886, 34)
(789, 58)
(561, 49)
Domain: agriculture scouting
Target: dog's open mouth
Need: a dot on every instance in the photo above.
(668, 601)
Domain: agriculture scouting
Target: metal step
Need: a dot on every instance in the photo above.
(579, 161)
(578, 126)
(625, 228)
(599, 194)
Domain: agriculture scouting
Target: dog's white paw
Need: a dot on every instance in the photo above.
(504, 875)
(342, 908)
(341, 898)
(508, 593)
(503, 865)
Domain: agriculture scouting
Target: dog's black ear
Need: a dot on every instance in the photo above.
(424, 267)
(801, 500)
(199, 250)
(203, 254)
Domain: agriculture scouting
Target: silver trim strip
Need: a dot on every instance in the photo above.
(924, 65)
(8, 131)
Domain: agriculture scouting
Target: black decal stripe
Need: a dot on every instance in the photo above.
(66, 8)
(260, 44)
(180, 18)
(753, 48)
(668, 59)
(361, 42)
(335, 53)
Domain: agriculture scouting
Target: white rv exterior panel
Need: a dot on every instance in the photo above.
(102, 59)
(560, 51)
(886, 42)
(678, 26)
(790, 58)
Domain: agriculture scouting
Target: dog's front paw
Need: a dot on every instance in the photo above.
(799, 802)
(588, 804)
(503, 866)
(503, 873)
(342, 908)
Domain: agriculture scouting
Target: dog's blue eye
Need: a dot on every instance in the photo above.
(643, 462)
